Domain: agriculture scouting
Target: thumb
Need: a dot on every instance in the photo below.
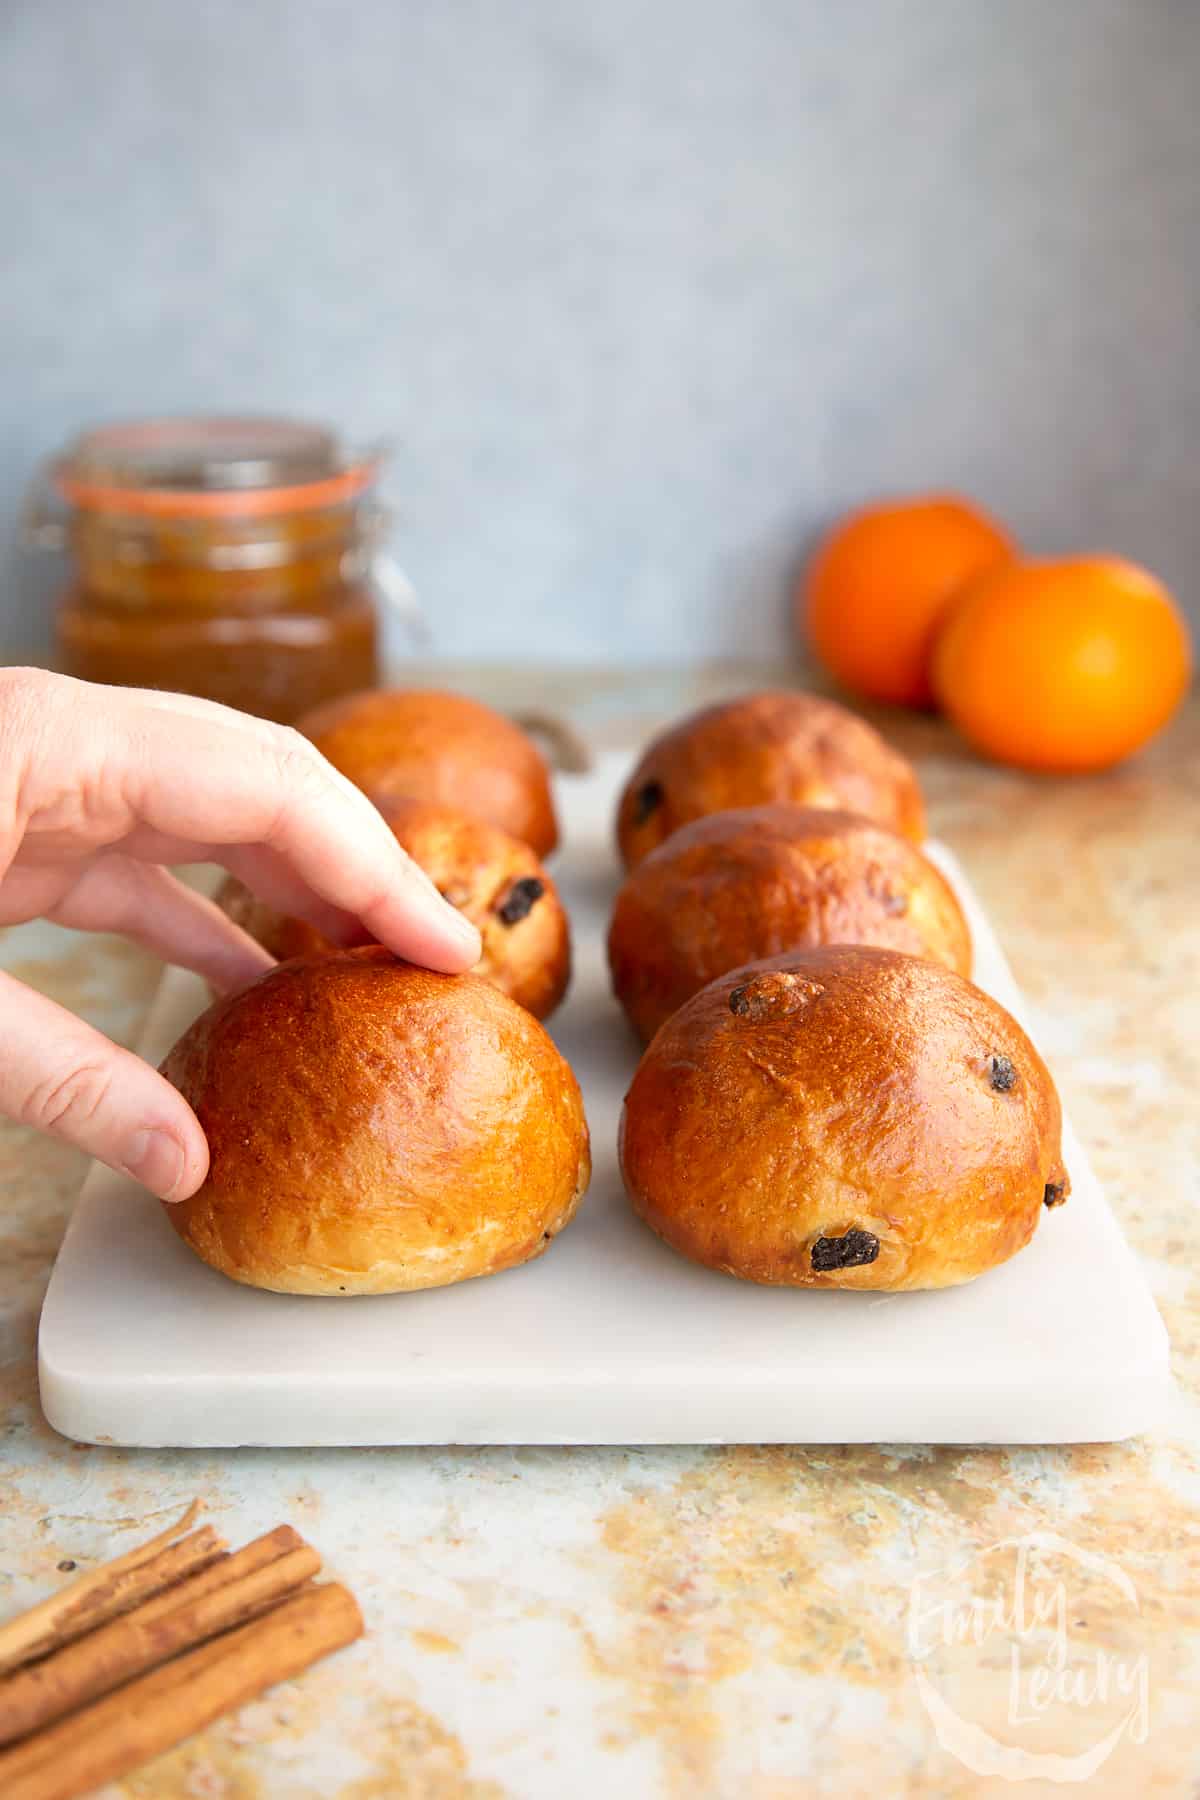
(61, 1076)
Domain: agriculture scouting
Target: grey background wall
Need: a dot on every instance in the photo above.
(645, 290)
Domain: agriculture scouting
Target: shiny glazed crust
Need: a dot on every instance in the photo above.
(762, 880)
(799, 749)
(424, 745)
(844, 1117)
(495, 879)
(375, 1127)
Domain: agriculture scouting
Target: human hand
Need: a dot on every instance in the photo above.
(99, 789)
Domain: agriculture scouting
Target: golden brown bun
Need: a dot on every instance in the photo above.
(736, 886)
(375, 1127)
(845, 1117)
(495, 879)
(424, 745)
(795, 748)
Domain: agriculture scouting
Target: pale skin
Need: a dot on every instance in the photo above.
(101, 789)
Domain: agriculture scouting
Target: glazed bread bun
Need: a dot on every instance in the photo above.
(495, 879)
(440, 747)
(796, 748)
(374, 1127)
(736, 886)
(845, 1117)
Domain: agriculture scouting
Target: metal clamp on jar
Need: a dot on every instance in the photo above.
(237, 559)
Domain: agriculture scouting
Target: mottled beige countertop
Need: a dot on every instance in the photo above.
(738, 1621)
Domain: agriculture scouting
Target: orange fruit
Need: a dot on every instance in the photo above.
(878, 586)
(1066, 666)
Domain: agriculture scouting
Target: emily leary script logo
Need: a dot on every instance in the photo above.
(1027, 1659)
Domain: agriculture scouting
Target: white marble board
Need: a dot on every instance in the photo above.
(610, 1338)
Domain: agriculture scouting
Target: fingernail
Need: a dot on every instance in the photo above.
(155, 1159)
(471, 943)
(467, 934)
(457, 921)
(464, 931)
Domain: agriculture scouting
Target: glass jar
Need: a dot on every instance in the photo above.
(230, 558)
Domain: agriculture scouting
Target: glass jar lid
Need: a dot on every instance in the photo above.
(211, 467)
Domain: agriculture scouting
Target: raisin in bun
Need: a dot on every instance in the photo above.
(796, 748)
(736, 886)
(495, 879)
(374, 1127)
(424, 745)
(845, 1117)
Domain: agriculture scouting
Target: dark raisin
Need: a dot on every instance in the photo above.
(1055, 1194)
(520, 899)
(772, 995)
(66, 1565)
(849, 1252)
(1002, 1075)
(647, 800)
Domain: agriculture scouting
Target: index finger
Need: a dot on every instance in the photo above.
(219, 780)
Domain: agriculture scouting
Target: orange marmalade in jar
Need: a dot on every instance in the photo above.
(229, 558)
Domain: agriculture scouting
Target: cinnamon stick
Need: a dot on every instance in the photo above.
(18, 1759)
(255, 1555)
(157, 1711)
(128, 1646)
(104, 1593)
